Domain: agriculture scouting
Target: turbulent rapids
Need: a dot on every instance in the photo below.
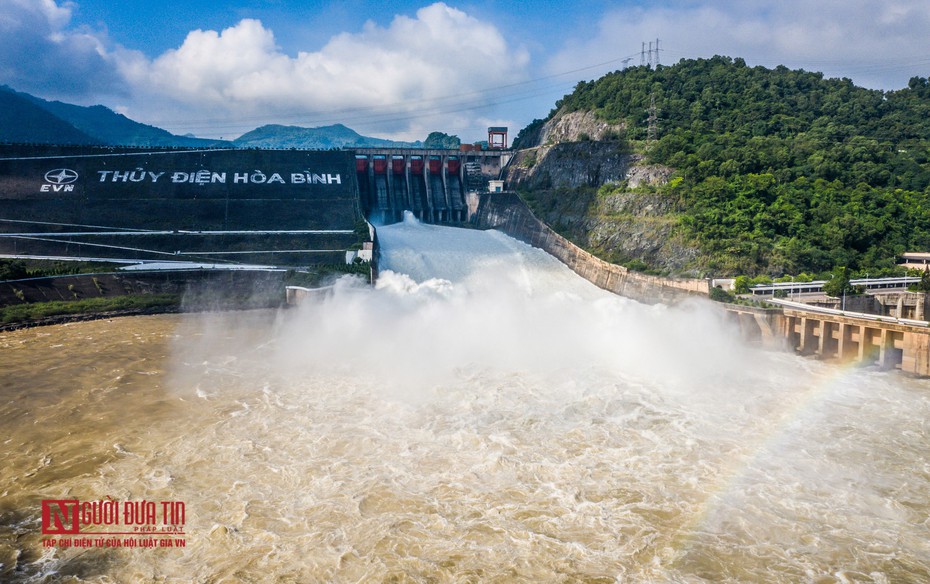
(481, 415)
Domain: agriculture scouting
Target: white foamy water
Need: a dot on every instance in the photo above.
(482, 415)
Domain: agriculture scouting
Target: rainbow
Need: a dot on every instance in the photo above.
(803, 408)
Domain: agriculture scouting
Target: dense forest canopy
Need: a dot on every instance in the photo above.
(442, 140)
(780, 171)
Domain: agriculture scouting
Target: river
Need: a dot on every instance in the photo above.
(482, 415)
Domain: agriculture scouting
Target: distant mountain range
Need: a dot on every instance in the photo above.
(335, 136)
(28, 119)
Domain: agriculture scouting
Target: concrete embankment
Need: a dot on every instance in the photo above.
(221, 283)
(265, 207)
(508, 213)
(51, 300)
(868, 340)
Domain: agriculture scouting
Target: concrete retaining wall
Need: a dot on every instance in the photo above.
(507, 212)
(203, 285)
(278, 207)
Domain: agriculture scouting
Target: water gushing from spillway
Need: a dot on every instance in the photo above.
(483, 414)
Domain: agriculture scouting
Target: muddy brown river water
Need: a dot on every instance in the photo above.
(482, 416)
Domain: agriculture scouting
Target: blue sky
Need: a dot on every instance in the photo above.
(401, 69)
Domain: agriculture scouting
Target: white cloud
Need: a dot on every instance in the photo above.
(39, 53)
(417, 74)
(406, 77)
(876, 43)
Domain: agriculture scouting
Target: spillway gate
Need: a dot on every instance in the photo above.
(437, 186)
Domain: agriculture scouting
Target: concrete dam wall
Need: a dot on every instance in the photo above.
(275, 207)
(508, 213)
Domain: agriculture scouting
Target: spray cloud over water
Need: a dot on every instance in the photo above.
(452, 300)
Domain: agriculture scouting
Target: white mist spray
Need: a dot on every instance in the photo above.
(453, 300)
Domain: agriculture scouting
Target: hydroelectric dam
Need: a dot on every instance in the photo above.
(481, 414)
(284, 209)
(232, 207)
(270, 207)
(437, 186)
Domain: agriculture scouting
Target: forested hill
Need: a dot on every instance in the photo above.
(780, 171)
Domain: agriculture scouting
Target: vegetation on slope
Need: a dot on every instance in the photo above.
(780, 171)
(28, 119)
(37, 311)
(441, 140)
(16, 269)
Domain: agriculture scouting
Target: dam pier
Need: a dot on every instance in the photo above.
(868, 340)
(437, 186)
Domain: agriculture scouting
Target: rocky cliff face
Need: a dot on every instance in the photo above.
(626, 221)
(575, 164)
(626, 226)
(637, 227)
(575, 150)
(572, 127)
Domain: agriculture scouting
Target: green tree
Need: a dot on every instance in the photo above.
(838, 284)
(924, 284)
(741, 285)
(12, 270)
(441, 141)
(718, 294)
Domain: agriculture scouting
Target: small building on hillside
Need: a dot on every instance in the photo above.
(918, 260)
